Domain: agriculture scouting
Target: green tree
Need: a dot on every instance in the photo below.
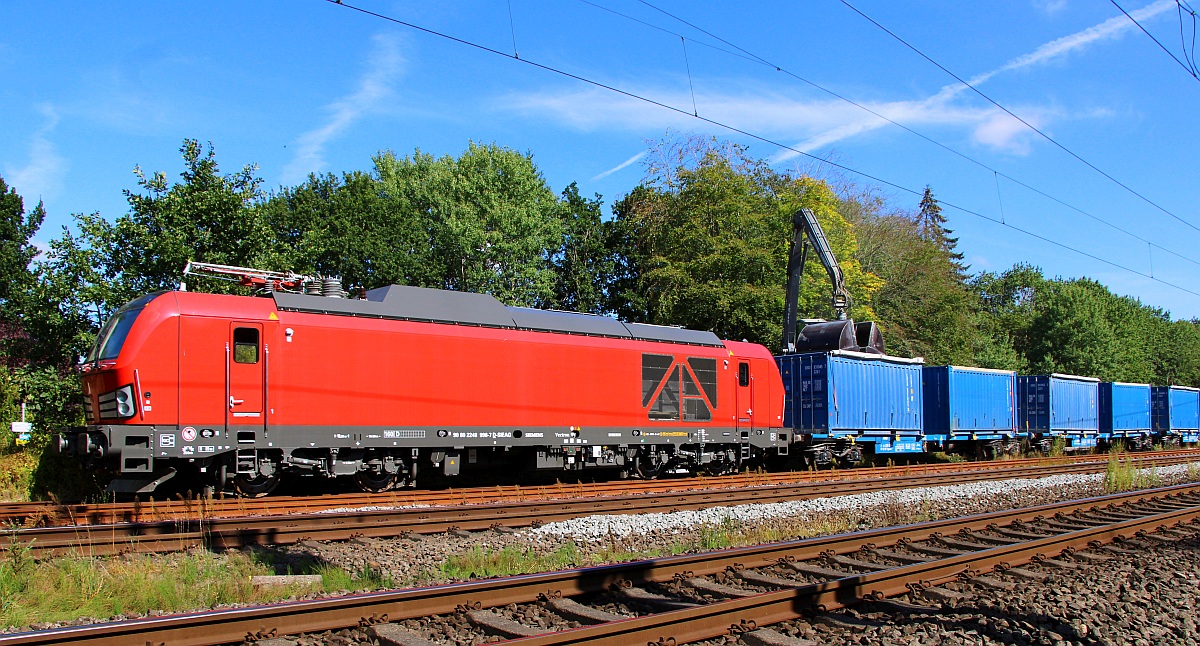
(931, 226)
(585, 263)
(206, 217)
(923, 306)
(493, 222)
(350, 227)
(17, 250)
(703, 243)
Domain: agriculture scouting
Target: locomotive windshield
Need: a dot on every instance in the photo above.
(112, 336)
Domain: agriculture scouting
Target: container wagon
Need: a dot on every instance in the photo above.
(971, 409)
(839, 401)
(1057, 405)
(1175, 414)
(1125, 414)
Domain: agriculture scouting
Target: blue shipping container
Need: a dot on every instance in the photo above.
(963, 402)
(1176, 409)
(846, 393)
(1124, 408)
(1058, 404)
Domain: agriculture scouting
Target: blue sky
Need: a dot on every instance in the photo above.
(88, 91)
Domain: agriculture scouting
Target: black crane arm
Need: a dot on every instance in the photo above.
(806, 231)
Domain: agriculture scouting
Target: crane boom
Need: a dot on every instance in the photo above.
(806, 232)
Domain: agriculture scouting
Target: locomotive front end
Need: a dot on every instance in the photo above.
(117, 436)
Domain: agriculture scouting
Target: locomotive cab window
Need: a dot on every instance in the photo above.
(245, 345)
(743, 374)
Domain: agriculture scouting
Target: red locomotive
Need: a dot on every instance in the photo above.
(233, 391)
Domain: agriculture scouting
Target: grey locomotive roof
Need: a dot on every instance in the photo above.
(555, 321)
(464, 308)
(672, 334)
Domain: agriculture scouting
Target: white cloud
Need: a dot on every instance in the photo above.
(384, 65)
(1051, 7)
(819, 123)
(623, 165)
(43, 176)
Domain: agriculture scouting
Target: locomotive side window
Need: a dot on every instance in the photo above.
(654, 368)
(743, 374)
(245, 345)
(666, 407)
(695, 410)
(706, 373)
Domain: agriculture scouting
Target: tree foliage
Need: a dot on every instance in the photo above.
(703, 243)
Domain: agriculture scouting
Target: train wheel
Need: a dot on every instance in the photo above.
(376, 481)
(256, 487)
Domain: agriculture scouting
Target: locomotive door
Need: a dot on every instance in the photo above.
(245, 369)
(745, 402)
(745, 409)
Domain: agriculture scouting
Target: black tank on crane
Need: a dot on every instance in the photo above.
(822, 336)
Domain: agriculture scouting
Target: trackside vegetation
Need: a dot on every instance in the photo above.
(700, 241)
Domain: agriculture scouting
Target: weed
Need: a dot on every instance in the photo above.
(1122, 475)
(1058, 447)
(484, 562)
(942, 456)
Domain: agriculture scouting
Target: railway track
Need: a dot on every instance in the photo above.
(738, 592)
(222, 533)
(39, 514)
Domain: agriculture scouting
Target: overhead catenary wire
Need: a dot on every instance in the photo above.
(748, 55)
(746, 133)
(1190, 69)
(1013, 115)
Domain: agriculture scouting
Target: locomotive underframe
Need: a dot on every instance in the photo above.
(250, 458)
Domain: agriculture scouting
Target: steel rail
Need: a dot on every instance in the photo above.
(255, 623)
(48, 514)
(746, 614)
(227, 533)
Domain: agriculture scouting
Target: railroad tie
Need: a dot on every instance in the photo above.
(366, 541)
(653, 599)
(853, 562)
(898, 607)
(1016, 533)
(899, 557)
(943, 595)
(1065, 565)
(460, 533)
(842, 620)
(995, 540)
(571, 609)
(823, 572)
(989, 582)
(936, 551)
(502, 625)
(1065, 527)
(719, 589)
(1028, 575)
(964, 545)
(754, 577)
(1109, 547)
(393, 635)
(768, 637)
(276, 641)
(1090, 557)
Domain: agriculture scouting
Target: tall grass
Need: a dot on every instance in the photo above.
(1122, 474)
(68, 588)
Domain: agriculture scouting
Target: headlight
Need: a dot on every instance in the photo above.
(117, 403)
(125, 401)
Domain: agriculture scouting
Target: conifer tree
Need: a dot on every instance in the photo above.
(931, 225)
